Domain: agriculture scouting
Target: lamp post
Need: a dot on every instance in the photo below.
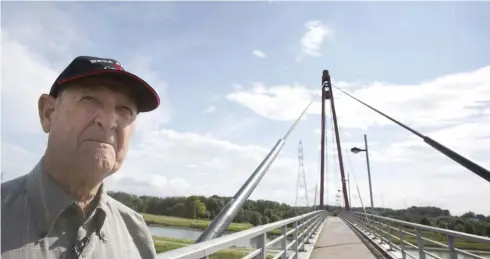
(356, 150)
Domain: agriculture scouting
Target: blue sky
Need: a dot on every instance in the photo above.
(223, 107)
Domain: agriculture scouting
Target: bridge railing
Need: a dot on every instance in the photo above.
(390, 231)
(303, 227)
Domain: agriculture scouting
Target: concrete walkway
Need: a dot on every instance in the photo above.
(338, 241)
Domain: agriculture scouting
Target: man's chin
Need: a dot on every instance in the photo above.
(98, 166)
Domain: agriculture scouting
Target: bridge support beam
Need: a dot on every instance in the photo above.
(322, 147)
(327, 94)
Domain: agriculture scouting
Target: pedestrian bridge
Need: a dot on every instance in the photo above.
(351, 235)
(323, 235)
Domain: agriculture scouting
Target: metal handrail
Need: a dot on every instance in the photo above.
(303, 229)
(384, 230)
(470, 237)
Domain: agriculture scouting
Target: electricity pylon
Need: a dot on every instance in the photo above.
(301, 183)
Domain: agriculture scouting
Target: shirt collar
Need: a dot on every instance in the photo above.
(48, 200)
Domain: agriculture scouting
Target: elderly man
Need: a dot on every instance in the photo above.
(61, 209)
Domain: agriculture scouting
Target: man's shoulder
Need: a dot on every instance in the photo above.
(135, 224)
(12, 189)
(126, 212)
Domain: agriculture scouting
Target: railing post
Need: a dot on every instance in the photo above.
(402, 245)
(295, 240)
(390, 237)
(261, 242)
(452, 252)
(302, 233)
(310, 231)
(370, 220)
(375, 227)
(380, 231)
(284, 243)
(420, 243)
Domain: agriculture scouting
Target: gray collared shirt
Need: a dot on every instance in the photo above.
(40, 221)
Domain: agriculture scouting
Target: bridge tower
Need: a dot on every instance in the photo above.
(301, 183)
(328, 95)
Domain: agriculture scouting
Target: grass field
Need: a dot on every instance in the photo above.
(163, 244)
(194, 223)
(189, 223)
(461, 244)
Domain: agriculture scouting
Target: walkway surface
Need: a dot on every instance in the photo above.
(338, 241)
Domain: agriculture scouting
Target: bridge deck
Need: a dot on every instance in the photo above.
(338, 241)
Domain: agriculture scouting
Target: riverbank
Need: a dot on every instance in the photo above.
(164, 244)
(234, 227)
(194, 223)
(189, 223)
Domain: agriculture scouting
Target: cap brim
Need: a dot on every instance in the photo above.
(146, 97)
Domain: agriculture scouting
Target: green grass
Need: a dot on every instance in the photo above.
(164, 244)
(189, 223)
(461, 244)
(195, 223)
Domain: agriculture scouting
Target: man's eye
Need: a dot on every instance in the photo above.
(88, 98)
(126, 111)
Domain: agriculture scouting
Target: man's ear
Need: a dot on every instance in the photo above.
(46, 107)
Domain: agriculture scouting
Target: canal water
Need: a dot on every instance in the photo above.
(193, 234)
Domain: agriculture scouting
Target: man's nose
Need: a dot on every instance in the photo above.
(106, 119)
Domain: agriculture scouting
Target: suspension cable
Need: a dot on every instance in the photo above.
(468, 164)
(300, 116)
(357, 187)
(230, 210)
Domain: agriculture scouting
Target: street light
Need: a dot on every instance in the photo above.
(356, 150)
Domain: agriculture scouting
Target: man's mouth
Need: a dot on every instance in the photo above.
(99, 141)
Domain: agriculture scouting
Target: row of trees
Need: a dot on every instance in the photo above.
(264, 211)
(254, 212)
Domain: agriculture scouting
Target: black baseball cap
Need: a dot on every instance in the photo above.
(84, 67)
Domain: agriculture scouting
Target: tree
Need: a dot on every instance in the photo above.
(425, 221)
(275, 218)
(177, 210)
(259, 212)
(256, 219)
(469, 215)
(194, 207)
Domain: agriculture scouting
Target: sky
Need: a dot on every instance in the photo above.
(233, 76)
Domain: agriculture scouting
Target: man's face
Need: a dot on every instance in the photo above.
(90, 125)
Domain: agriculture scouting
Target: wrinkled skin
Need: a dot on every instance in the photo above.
(90, 125)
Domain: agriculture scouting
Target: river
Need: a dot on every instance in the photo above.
(193, 234)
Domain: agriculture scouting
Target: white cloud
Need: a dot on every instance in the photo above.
(210, 109)
(259, 53)
(24, 74)
(199, 164)
(281, 102)
(313, 39)
(167, 162)
(141, 66)
(27, 72)
(442, 101)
